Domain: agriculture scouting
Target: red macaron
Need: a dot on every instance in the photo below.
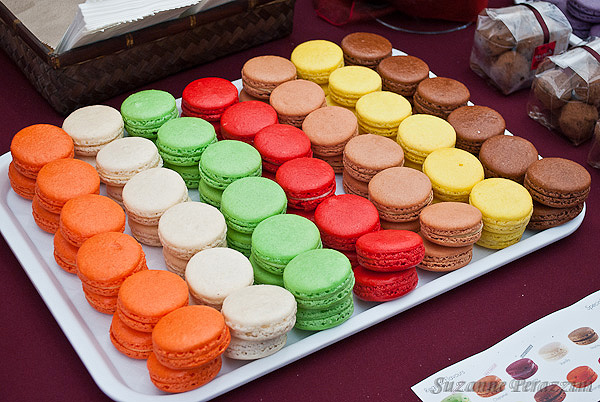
(243, 120)
(343, 218)
(383, 286)
(306, 181)
(390, 250)
(279, 143)
(208, 98)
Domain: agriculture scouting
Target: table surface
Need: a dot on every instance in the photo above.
(380, 363)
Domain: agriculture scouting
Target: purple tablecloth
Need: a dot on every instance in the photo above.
(378, 364)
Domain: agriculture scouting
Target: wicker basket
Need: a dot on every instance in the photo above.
(95, 72)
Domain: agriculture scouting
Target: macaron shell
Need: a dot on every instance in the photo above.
(242, 349)
(365, 49)
(442, 259)
(181, 380)
(65, 254)
(181, 141)
(329, 129)
(92, 127)
(583, 336)
(402, 74)
(316, 59)
(545, 217)
(507, 156)
(243, 120)
(390, 250)
(294, 100)
(348, 84)
(582, 376)
(452, 224)
(208, 97)
(439, 96)
(474, 125)
(46, 220)
(228, 160)
(553, 351)
(320, 319)
(501, 200)
(551, 393)
(145, 111)
(420, 134)
(306, 181)
(261, 74)
(279, 143)
(21, 184)
(522, 369)
(368, 154)
(132, 343)
(489, 386)
(383, 286)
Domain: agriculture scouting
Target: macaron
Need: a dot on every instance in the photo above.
(102, 304)
(451, 224)
(280, 238)
(92, 127)
(208, 98)
(569, 188)
(506, 207)
(582, 376)
(329, 130)
(456, 398)
(294, 100)
(353, 186)
(421, 134)
(400, 194)
(65, 254)
(489, 386)
(189, 174)
(259, 318)
(368, 154)
(453, 173)
(264, 277)
(545, 217)
(88, 215)
(474, 124)
(440, 258)
(21, 184)
(584, 10)
(182, 140)
(390, 250)
(63, 179)
(348, 84)
(123, 158)
(343, 218)
(34, 146)
(315, 60)
(439, 96)
(262, 74)
(239, 241)
(214, 273)
(144, 112)
(553, 351)
(321, 281)
(550, 393)
(248, 201)
(507, 156)
(381, 113)
(209, 194)
(583, 336)
(189, 337)
(181, 380)
(383, 286)
(279, 143)
(132, 343)
(243, 120)
(402, 74)
(365, 49)
(306, 182)
(522, 369)
(46, 220)
(146, 296)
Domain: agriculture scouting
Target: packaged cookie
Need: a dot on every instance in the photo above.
(511, 42)
(565, 93)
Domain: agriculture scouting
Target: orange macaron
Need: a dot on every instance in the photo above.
(46, 220)
(146, 296)
(190, 337)
(63, 179)
(21, 184)
(34, 146)
(132, 343)
(87, 215)
(103, 304)
(65, 254)
(175, 381)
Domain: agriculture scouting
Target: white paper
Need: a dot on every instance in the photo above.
(526, 343)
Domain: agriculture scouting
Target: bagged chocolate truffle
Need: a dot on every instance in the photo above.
(510, 42)
(565, 93)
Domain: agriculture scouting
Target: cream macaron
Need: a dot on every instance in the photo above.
(92, 127)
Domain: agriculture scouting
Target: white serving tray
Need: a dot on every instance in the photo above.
(122, 378)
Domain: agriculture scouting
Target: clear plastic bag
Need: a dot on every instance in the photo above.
(565, 94)
(510, 42)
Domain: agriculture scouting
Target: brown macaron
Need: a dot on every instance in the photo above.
(294, 100)
(368, 154)
(545, 217)
(262, 74)
(365, 49)
(557, 182)
(439, 96)
(474, 125)
(402, 74)
(353, 186)
(451, 224)
(400, 193)
(440, 258)
(329, 130)
(507, 156)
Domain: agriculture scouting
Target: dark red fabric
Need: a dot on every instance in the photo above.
(380, 363)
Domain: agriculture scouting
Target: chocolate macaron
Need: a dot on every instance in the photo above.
(262, 74)
(440, 258)
(439, 96)
(294, 100)
(368, 154)
(402, 74)
(545, 217)
(365, 49)
(452, 224)
(507, 156)
(475, 124)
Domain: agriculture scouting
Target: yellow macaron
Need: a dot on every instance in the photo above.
(315, 60)
(421, 134)
(381, 113)
(348, 84)
(506, 207)
(453, 173)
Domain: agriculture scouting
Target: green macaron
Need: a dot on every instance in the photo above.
(456, 398)
(208, 194)
(278, 239)
(226, 161)
(248, 201)
(316, 320)
(182, 141)
(189, 174)
(146, 111)
(263, 277)
(239, 241)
